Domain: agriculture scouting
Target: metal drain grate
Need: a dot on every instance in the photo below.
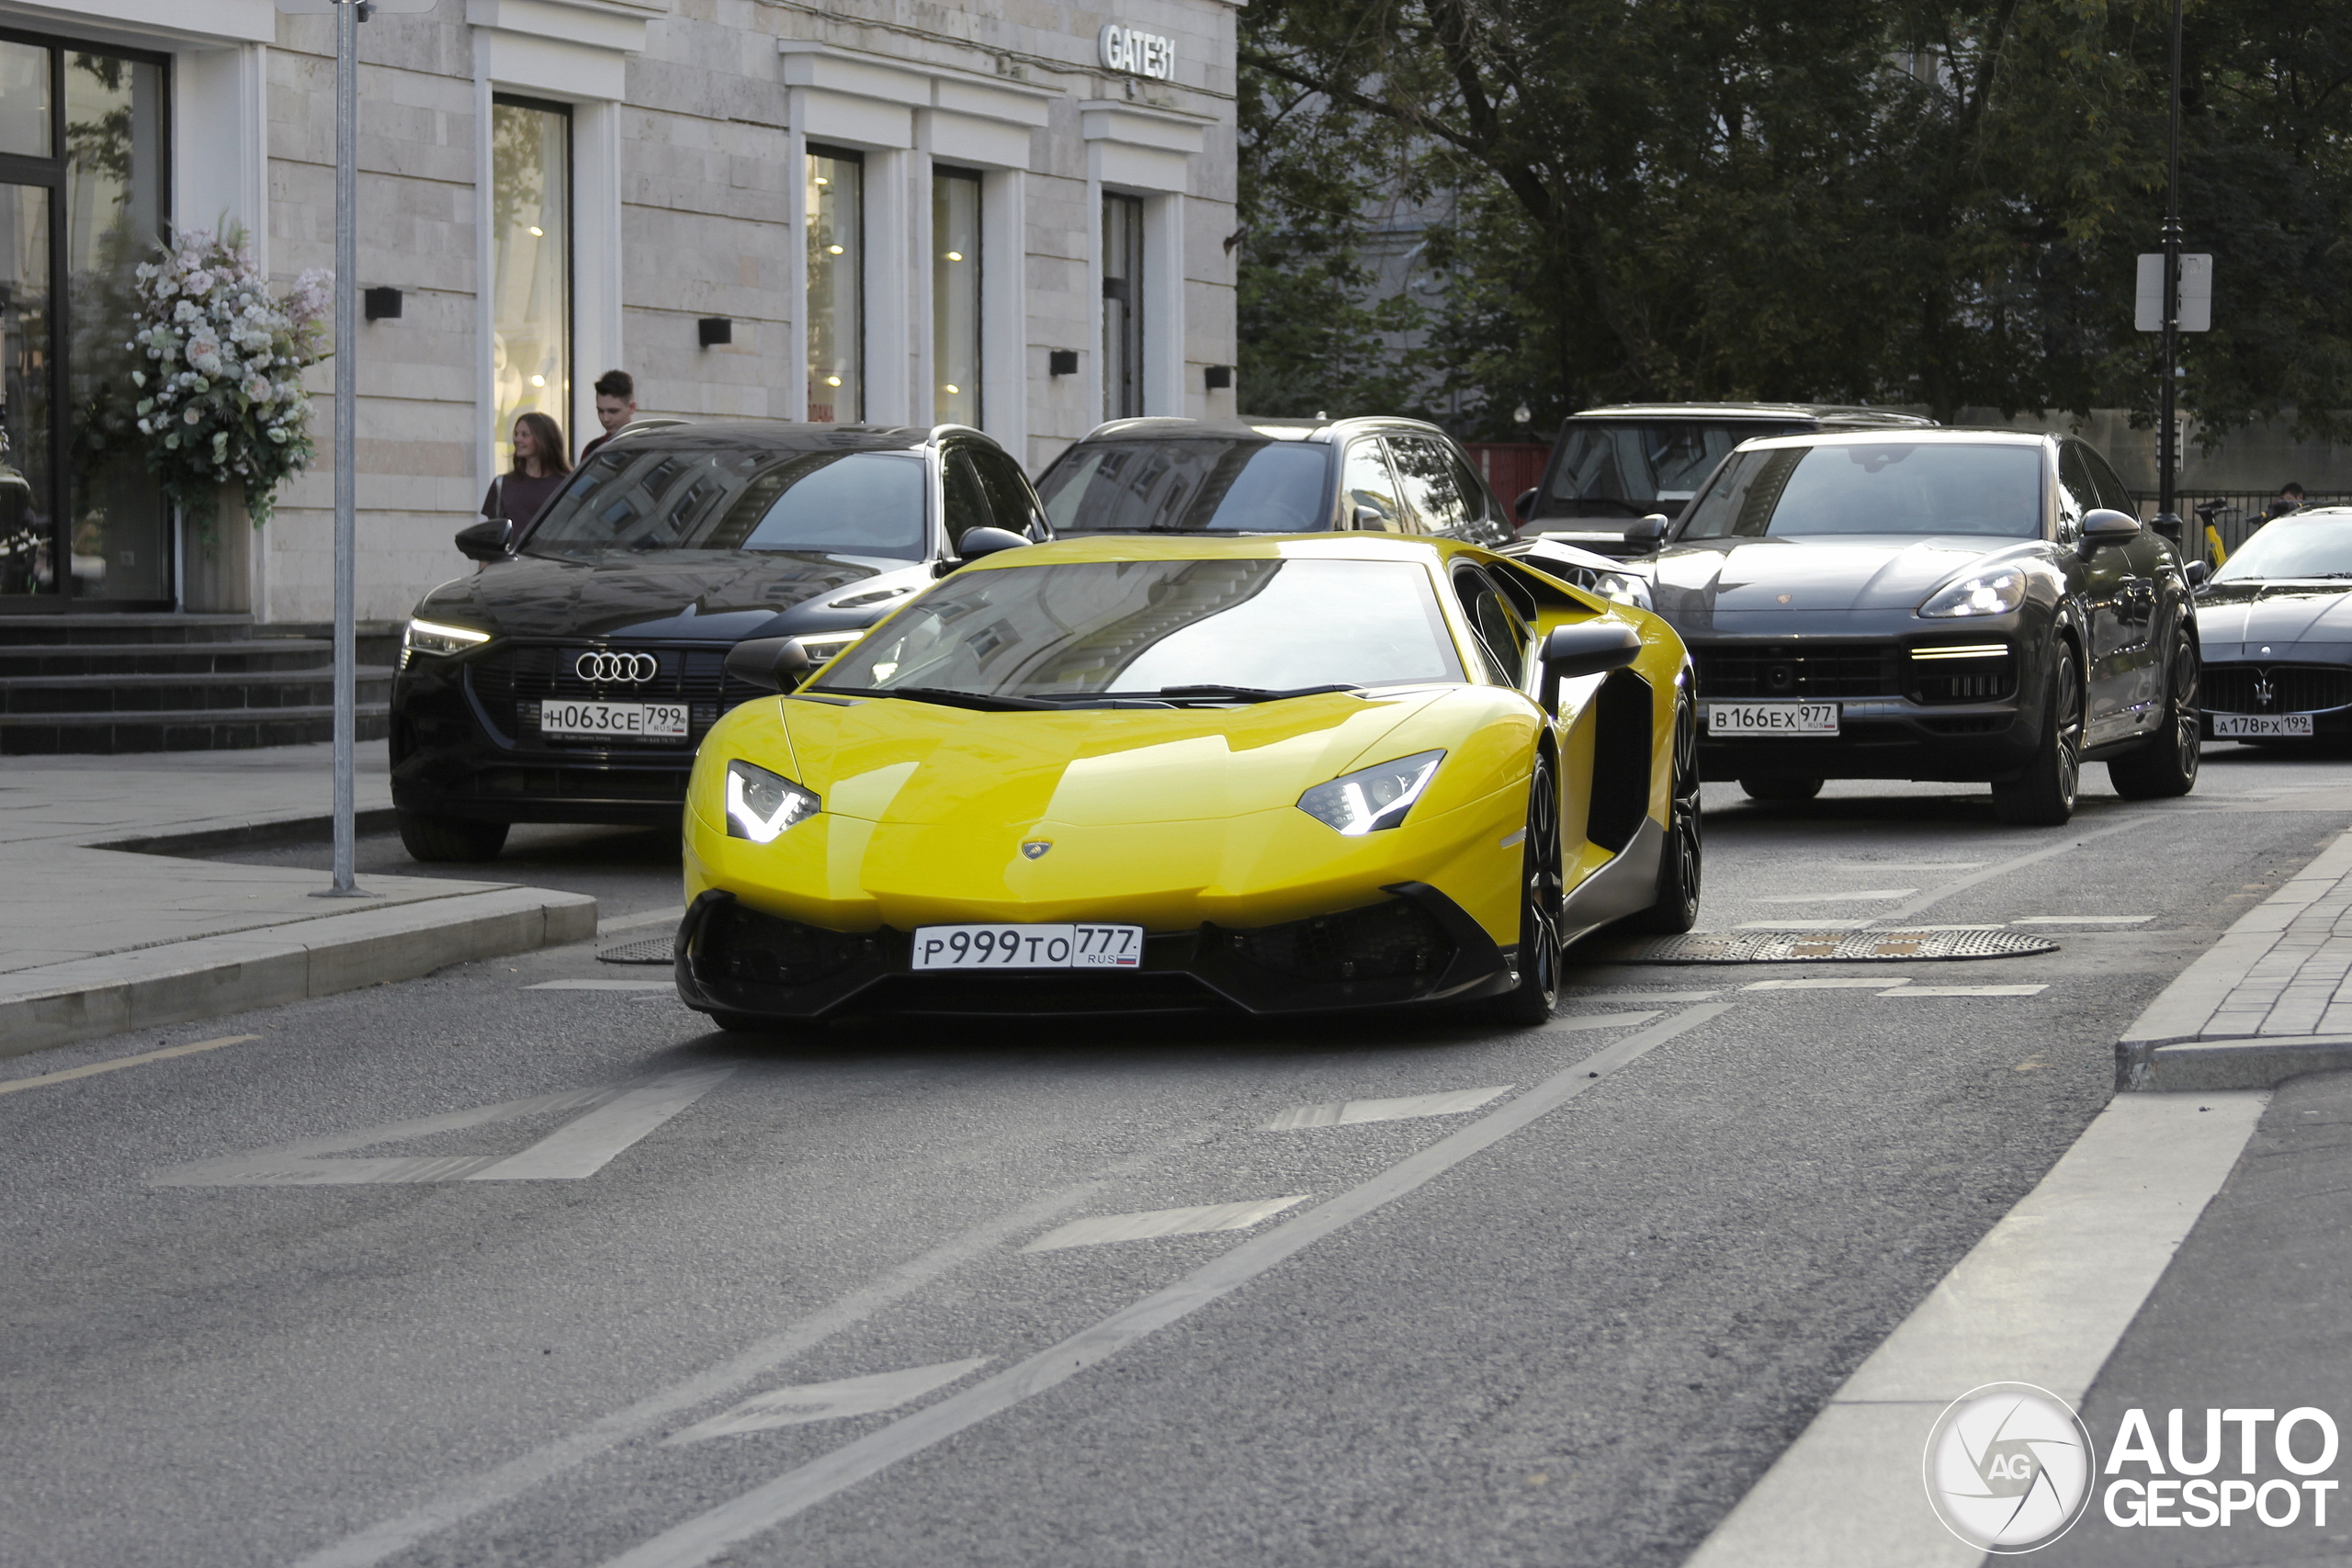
(1825, 947)
(660, 950)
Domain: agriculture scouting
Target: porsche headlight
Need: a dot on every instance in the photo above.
(433, 636)
(761, 805)
(1371, 798)
(1986, 593)
(822, 646)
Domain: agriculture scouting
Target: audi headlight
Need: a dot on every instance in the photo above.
(433, 636)
(1371, 798)
(761, 805)
(1987, 593)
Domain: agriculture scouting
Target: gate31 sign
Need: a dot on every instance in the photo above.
(1142, 54)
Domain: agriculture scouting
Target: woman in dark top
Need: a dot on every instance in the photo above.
(540, 467)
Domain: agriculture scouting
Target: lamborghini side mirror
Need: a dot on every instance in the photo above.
(771, 663)
(1587, 647)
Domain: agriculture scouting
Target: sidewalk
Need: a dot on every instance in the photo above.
(96, 938)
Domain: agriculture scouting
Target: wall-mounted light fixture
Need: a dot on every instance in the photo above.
(1218, 378)
(1061, 362)
(712, 331)
(381, 304)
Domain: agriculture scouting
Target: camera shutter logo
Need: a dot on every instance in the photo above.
(2010, 1468)
(604, 669)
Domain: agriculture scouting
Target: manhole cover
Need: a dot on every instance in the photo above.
(660, 950)
(1825, 947)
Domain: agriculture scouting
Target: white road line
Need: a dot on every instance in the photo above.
(604, 986)
(1965, 991)
(68, 1075)
(2044, 1299)
(1934, 896)
(1355, 1112)
(699, 1539)
(1907, 926)
(804, 1403)
(1837, 898)
(612, 1119)
(1802, 925)
(1566, 1021)
(1869, 867)
(1567, 997)
(1876, 985)
(1152, 1224)
(2081, 920)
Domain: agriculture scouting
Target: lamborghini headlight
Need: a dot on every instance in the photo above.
(1371, 798)
(433, 636)
(761, 805)
(1992, 592)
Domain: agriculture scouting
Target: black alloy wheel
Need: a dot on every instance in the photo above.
(433, 838)
(2043, 795)
(2166, 765)
(1542, 886)
(1780, 789)
(1682, 858)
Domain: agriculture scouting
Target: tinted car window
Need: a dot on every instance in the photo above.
(1425, 473)
(1503, 638)
(2112, 491)
(1088, 629)
(629, 498)
(2293, 547)
(967, 499)
(1894, 487)
(2074, 482)
(1203, 485)
(1008, 490)
(1639, 464)
(1368, 480)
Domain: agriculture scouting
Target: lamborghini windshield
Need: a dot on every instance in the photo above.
(629, 498)
(1221, 630)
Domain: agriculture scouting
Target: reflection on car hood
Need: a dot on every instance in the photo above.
(717, 595)
(1696, 582)
(920, 762)
(2240, 619)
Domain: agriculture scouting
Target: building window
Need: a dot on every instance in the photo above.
(530, 240)
(81, 201)
(836, 208)
(956, 297)
(1122, 307)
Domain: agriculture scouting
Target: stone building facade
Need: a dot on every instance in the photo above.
(1012, 213)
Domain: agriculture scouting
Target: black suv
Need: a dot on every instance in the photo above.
(1269, 476)
(1611, 466)
(571, 678)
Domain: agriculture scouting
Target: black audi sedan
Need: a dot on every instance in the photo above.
(570, 679)
(1971, 605)
(1271, 476)
(2275, 627)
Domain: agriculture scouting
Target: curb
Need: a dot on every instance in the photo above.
(148, 987)
(267, 834)
(2168, 1049)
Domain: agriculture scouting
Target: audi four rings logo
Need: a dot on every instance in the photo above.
(600, 669)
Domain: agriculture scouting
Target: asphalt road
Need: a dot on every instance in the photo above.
(1570, 1323)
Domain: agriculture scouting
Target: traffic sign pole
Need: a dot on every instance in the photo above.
(2168, 435)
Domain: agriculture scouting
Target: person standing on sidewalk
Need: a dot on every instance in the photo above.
(615, 406)
(2290, 498)
(539, 470)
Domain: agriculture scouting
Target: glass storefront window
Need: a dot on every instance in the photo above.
(28, 524)
(1122, 307)
(835, 208)
(530, 207)
(956, 297)
(24, 99)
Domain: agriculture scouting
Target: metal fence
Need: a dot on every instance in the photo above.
(1509, 466)
(2241, 511)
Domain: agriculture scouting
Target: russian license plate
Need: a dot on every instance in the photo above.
(660, 721)
(1028, 947)
(1771, 718)
(2229, 726)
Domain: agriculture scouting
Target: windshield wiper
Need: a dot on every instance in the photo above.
(984, 702)
(1211, 692)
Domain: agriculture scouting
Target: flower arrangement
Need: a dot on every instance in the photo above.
(221, 392)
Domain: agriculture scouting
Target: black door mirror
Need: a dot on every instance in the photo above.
(1524, 507)
(1650, 532)
(771, 663)
(2104, 526)
(1369, 520)
(978, 542)
(486, 540)
(1587, 647)
(2196, 571)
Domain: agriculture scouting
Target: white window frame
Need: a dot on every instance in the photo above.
(1132, 151)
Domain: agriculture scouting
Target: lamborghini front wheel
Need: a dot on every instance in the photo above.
(1530, 1001)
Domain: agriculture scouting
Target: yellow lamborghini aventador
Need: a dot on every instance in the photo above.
(1278, 773)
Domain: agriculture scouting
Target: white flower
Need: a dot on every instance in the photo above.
(205, 355)
(200, 282)
(193, 415)
(257, 388)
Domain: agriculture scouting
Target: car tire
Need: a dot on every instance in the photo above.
(2043, 795)
(1781, 789)
(1682, 859)
(1530, 1002)
(2167, 764)
(433, 839)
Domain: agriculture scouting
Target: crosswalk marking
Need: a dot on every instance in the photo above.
(1874, 984)
(1154, 1223)
(1353, 1112)
(804, 1403)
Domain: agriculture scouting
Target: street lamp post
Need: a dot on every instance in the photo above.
(2168, 435)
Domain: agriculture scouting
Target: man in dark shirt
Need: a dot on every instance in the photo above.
(615, 406)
